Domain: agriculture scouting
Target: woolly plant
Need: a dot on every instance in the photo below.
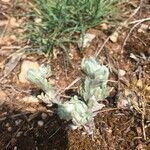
(93, 89)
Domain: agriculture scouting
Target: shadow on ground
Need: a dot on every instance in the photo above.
(31, 131)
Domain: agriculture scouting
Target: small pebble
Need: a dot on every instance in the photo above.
(121, 72)
(36, 148)
(7, 124)
(9, 129)
(43, 116)
(19, 134)
(25, 66)
(114, 37)
(40, 123)
(104, 26)
(15, 148)
(88, 37)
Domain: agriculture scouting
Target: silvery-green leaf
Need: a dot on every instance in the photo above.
(87, 89)
(93, 69)
(44, 98)
(38, 77)
(89, 65)
(94, 87)
(86, 39)
(94, 105)
(75, 110)
(102, 73)
(45, 70)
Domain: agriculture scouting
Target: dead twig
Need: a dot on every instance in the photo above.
(54, 132)
(10, 47)
(131, 30)
(4, 31)
(120, 26)
(106, 110)
(136, 10)
(101, 48)
(68, 87)
(143, 117)
(140, 20)
(14, 116)
(14, 88)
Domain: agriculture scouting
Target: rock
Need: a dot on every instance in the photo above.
(30, 99)
(114, 37)
(15, 148)
(43, 116)
(104, 26)
(121, 72)
(24, 68)
(9, 129)
(19, 134)
(7, 124)
(88, 37)
(40, 123)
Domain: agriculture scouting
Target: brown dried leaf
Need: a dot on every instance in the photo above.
(12, 63)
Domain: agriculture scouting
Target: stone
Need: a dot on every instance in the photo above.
(15, 148)
(26, 65)
(104, 26)
(114, 37)
(121, 72)
(19, 134)
(88, 37)
(9, 129)
(40, 123)
(43, 116)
